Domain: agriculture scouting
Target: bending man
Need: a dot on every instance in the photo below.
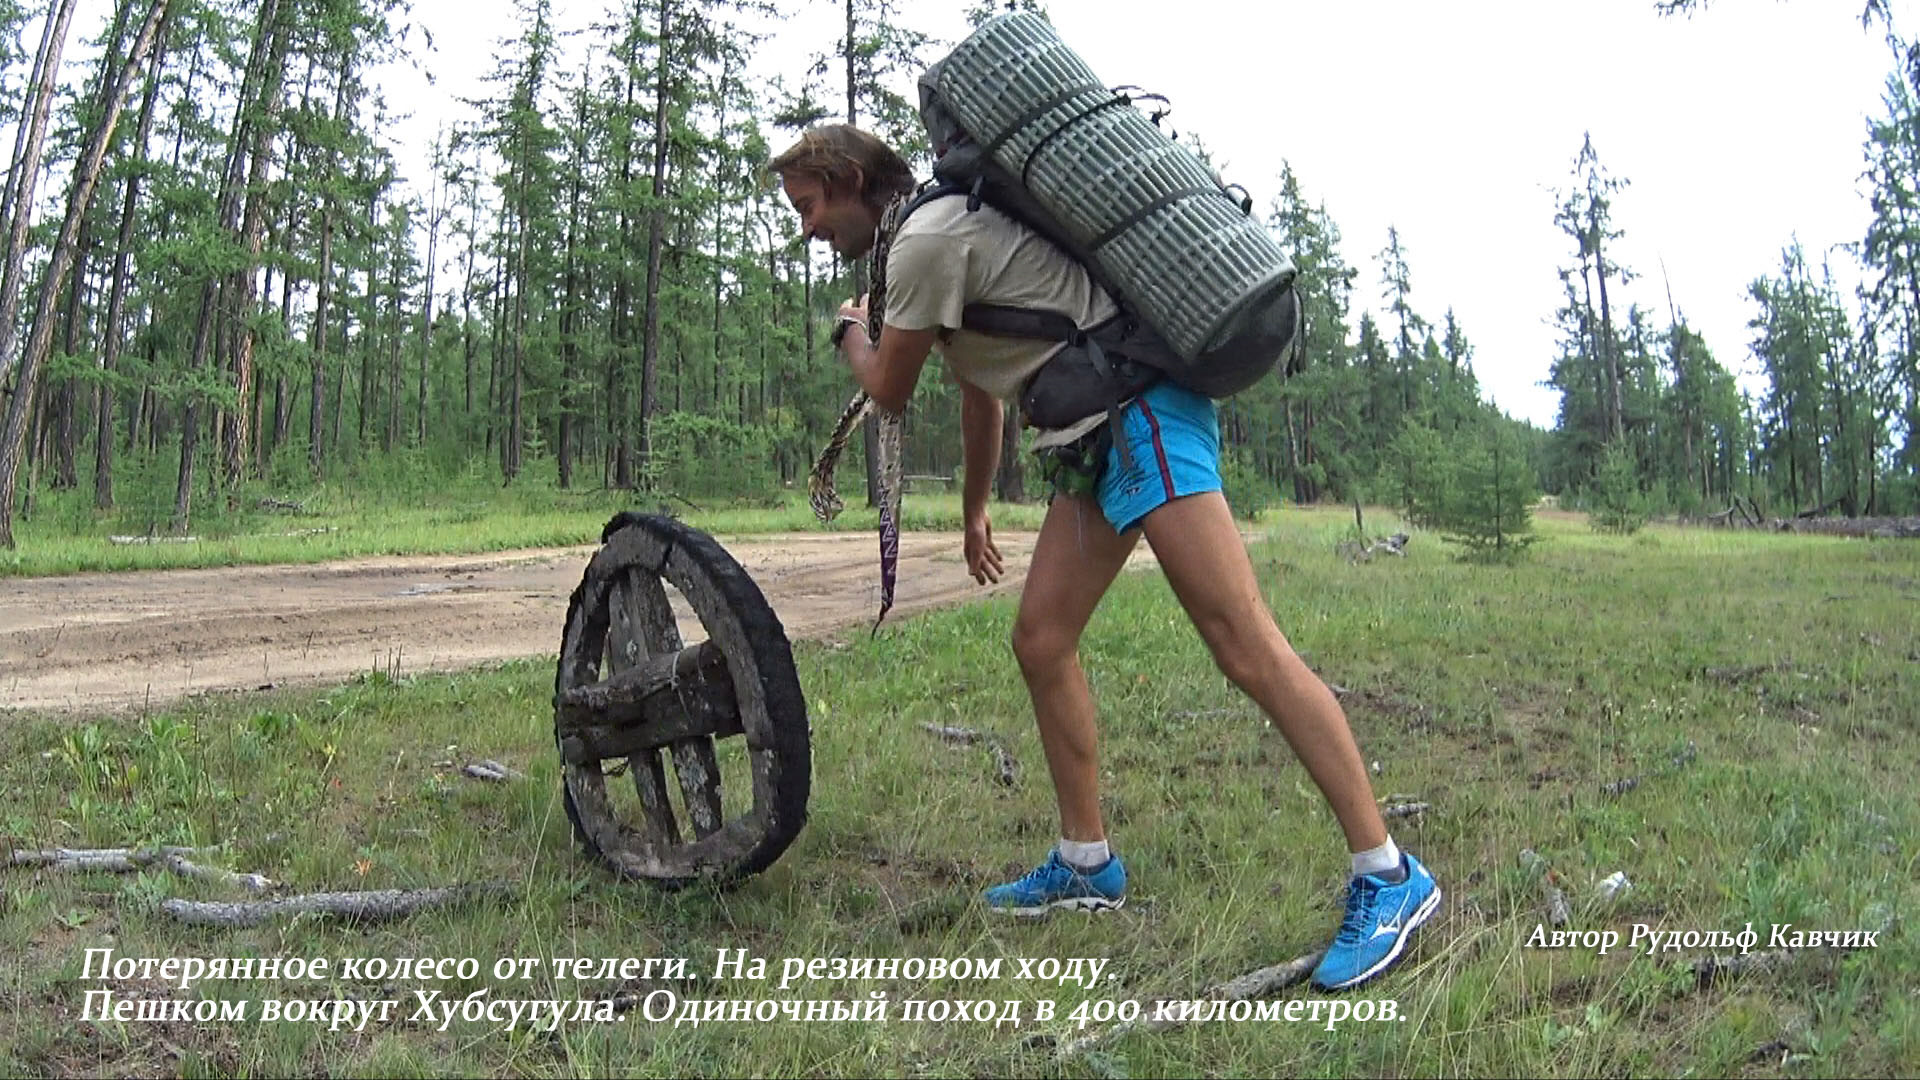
(844, 182)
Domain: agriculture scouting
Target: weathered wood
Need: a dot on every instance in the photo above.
(584, 743)
(132, 860)
(628, 602)
(741, 682)
(688, 690)
(698, 770)
(694, 763)
(492, 770)
(1882, 528)
(656, 810)
(374, 906)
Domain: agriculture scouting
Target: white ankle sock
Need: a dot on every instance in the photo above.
(1084, 854)
(1383, 861)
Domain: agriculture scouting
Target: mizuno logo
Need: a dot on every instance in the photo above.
(1391, 926)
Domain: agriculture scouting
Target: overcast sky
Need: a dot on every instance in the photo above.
(1455, 122)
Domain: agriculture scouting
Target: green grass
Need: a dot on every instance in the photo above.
(418, 515)
(1506, 697)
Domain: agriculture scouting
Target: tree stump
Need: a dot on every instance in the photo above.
(628, 690)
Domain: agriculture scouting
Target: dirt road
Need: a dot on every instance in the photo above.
(104, 642)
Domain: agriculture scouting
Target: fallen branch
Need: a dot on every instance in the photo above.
(153, 539)
(493, 771)
(1364, 550)
(271, 503)
(1400, 810)
(377, 905)
(1265, 982)
(1884, 528)
(132, 860)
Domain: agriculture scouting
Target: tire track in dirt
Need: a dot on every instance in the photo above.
(106, 642)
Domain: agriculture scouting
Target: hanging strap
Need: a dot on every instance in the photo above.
(1001, 320)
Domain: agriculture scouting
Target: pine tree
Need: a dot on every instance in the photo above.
(1494, 487)
(116, 75)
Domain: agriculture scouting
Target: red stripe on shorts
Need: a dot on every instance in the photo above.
(1159, 451)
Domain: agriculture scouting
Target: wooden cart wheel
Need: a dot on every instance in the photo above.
(661, 700)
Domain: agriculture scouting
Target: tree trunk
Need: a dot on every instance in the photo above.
(65, 400)
(495, 337)
(369, 331)
(283, 393)
(317, 336)
(111, 338)
(569, 310)
(656, 240)
(317, 345)
(16, 205)
(390, 436)
(1615, 423)
(620, 319)
(86, 177)
(340, 378)
(214, 293)
(1012, 478)
(436, 213)
(516, 429)
(466, 305)
(266, 104)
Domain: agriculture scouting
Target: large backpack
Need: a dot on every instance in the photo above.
(1018, 122)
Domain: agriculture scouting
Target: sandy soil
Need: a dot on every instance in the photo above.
(107, 642)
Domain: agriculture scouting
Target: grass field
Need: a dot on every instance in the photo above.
(417, 516)
(1761, 689)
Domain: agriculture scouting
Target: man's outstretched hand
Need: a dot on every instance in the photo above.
(983, 558)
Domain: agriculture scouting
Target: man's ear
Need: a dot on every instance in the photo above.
(859, 191)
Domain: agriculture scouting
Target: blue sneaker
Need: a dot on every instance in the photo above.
(1054, 884)
(1380, 919)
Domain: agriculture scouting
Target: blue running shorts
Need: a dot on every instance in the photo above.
(1174, 436)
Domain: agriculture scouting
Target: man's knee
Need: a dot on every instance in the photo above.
(1246, 646)
(1040, 646)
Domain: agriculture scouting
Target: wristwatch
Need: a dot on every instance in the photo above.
(840, 329)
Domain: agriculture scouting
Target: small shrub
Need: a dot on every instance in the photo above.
(1619, 506)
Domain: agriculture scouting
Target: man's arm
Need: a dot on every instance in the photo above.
(981, 418)
(888, 371)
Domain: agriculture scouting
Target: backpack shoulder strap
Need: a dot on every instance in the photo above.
(1002, 320)
(941, 190)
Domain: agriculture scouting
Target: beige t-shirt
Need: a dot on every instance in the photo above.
(946, 257)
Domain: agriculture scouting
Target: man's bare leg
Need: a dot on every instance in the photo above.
(1074, 561)
(1205, 560)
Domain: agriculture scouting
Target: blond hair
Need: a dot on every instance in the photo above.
(841, 156)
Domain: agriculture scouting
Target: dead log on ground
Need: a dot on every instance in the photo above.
(377, 905)
(1364, 550)
(1879, 528)
(133, 860)
(492, 771)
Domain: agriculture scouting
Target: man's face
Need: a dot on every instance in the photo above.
(841, 220)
